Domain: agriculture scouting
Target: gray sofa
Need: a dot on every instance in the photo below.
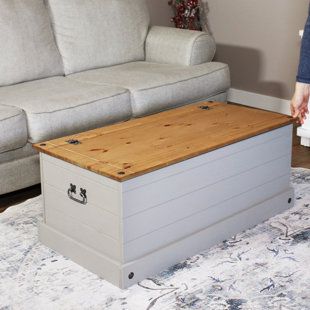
(67, 66)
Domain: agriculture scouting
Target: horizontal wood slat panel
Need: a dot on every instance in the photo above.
(90, 215)
(195, 243)
(83, 233)
(208, 217)
(139, 146)
(206, 197)
(80, 253)
(102, 196)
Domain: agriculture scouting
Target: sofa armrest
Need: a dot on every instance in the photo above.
(179, 46)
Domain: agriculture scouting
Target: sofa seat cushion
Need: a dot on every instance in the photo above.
(99, 33)
(28, 47)
(155, 87)
(17, 154)
(13, 128)
(59, 106)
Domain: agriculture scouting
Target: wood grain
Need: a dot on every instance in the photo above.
(126, 150)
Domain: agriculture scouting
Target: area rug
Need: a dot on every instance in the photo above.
(266, 267)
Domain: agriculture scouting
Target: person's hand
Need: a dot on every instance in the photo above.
(299, 103)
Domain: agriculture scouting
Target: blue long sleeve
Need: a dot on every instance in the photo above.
(303, 74)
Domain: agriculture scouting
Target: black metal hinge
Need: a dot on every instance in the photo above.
(204, 107)
(73, 141)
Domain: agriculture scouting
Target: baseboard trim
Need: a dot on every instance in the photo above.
(259, 101)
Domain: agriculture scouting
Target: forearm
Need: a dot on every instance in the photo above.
(303, 74)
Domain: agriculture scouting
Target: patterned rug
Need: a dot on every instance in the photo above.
(267, 267)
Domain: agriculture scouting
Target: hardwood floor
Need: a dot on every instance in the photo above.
(19, 196)
(300, 158)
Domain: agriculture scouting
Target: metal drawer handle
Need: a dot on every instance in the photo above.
(72, 190)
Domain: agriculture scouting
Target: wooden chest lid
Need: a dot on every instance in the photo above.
(129, 149)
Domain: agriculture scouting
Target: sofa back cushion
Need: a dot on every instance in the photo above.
(28, 48)
(98, 33)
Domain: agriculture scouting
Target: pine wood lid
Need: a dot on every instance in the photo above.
(129, 149)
